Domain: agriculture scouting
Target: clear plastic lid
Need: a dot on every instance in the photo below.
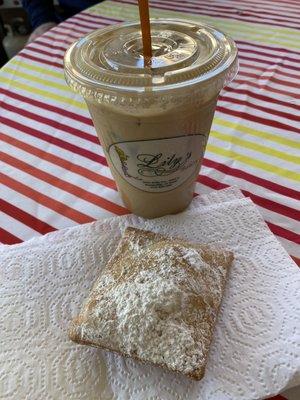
(185, 53)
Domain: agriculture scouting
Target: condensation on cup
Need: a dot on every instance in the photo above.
(153, 122)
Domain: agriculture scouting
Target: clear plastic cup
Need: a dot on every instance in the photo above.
(153, 121)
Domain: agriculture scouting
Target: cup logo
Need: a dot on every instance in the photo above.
(158, 165)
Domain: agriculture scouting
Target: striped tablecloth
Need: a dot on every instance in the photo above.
(53, 172)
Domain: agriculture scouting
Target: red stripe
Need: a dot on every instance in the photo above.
(217, 5)
(46, 201)
(51, 36)
(69, 187)
(25, 218)
(273, 206)
(296, 260)
(60, 50)
(264, 70)
(271, 48)
(59, 126)
(293, 3)
(262, 97)
(277, 230)
(284, 233)
(94, 19)
(267, 4)
(220, 15)
(270, 78)
(264, 86)
(260, 120)
(100, 17)
(275, 187)
(40, 51)
(258, 11)
(273, 56)
(8, 238)
(266, 61)
(48, 107)
(67, 165)
(53, 140)
(260, 201)
(76, 23)
(267, 110)
(229, 13)
(24, 54)
(67, 28)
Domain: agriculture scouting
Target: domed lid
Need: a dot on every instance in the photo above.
(184, 53)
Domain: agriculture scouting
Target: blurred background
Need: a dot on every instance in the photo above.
(14, 28)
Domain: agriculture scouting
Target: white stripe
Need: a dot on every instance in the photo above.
(49, 130)
(93, 23)
(252, 101)
(290, 247)
(246, 47)
(265, 59)
(16, 227)
(269, 73)
(34, 208)
(60, 152)
(272, 177)
(275, 217)
(280, 132)
(250, 68)
(54, 52)
(40, 64)
(81, 111)
(288, 93)
(256, 155)
(63, 91)
(57, 194)
(52, 115)
(282, 7)
(64, 174)
(257, 17)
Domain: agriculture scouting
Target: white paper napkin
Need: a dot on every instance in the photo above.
(255, 351)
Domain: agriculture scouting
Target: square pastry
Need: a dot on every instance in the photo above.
(157, 301)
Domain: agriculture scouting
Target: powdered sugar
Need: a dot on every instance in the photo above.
(151, 314)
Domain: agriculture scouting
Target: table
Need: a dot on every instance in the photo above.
(53, 172)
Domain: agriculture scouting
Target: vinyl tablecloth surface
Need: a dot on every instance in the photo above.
(53, 171)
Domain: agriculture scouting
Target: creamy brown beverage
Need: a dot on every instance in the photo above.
(153, 122)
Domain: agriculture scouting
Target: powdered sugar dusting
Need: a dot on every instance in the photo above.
(153, 304)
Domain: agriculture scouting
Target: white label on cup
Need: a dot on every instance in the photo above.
(158, 165)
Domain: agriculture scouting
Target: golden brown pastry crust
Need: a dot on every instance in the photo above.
(142, 261)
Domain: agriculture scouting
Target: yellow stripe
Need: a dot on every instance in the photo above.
(43, 93)
(257, 133)
(287, 37)
(120, 10)
(36, 79)
(42, 70)
(291, 175)
(256, 147)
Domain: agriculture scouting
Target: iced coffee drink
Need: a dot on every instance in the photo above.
(153, 121)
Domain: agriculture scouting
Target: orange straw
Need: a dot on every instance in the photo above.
(145, 27)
